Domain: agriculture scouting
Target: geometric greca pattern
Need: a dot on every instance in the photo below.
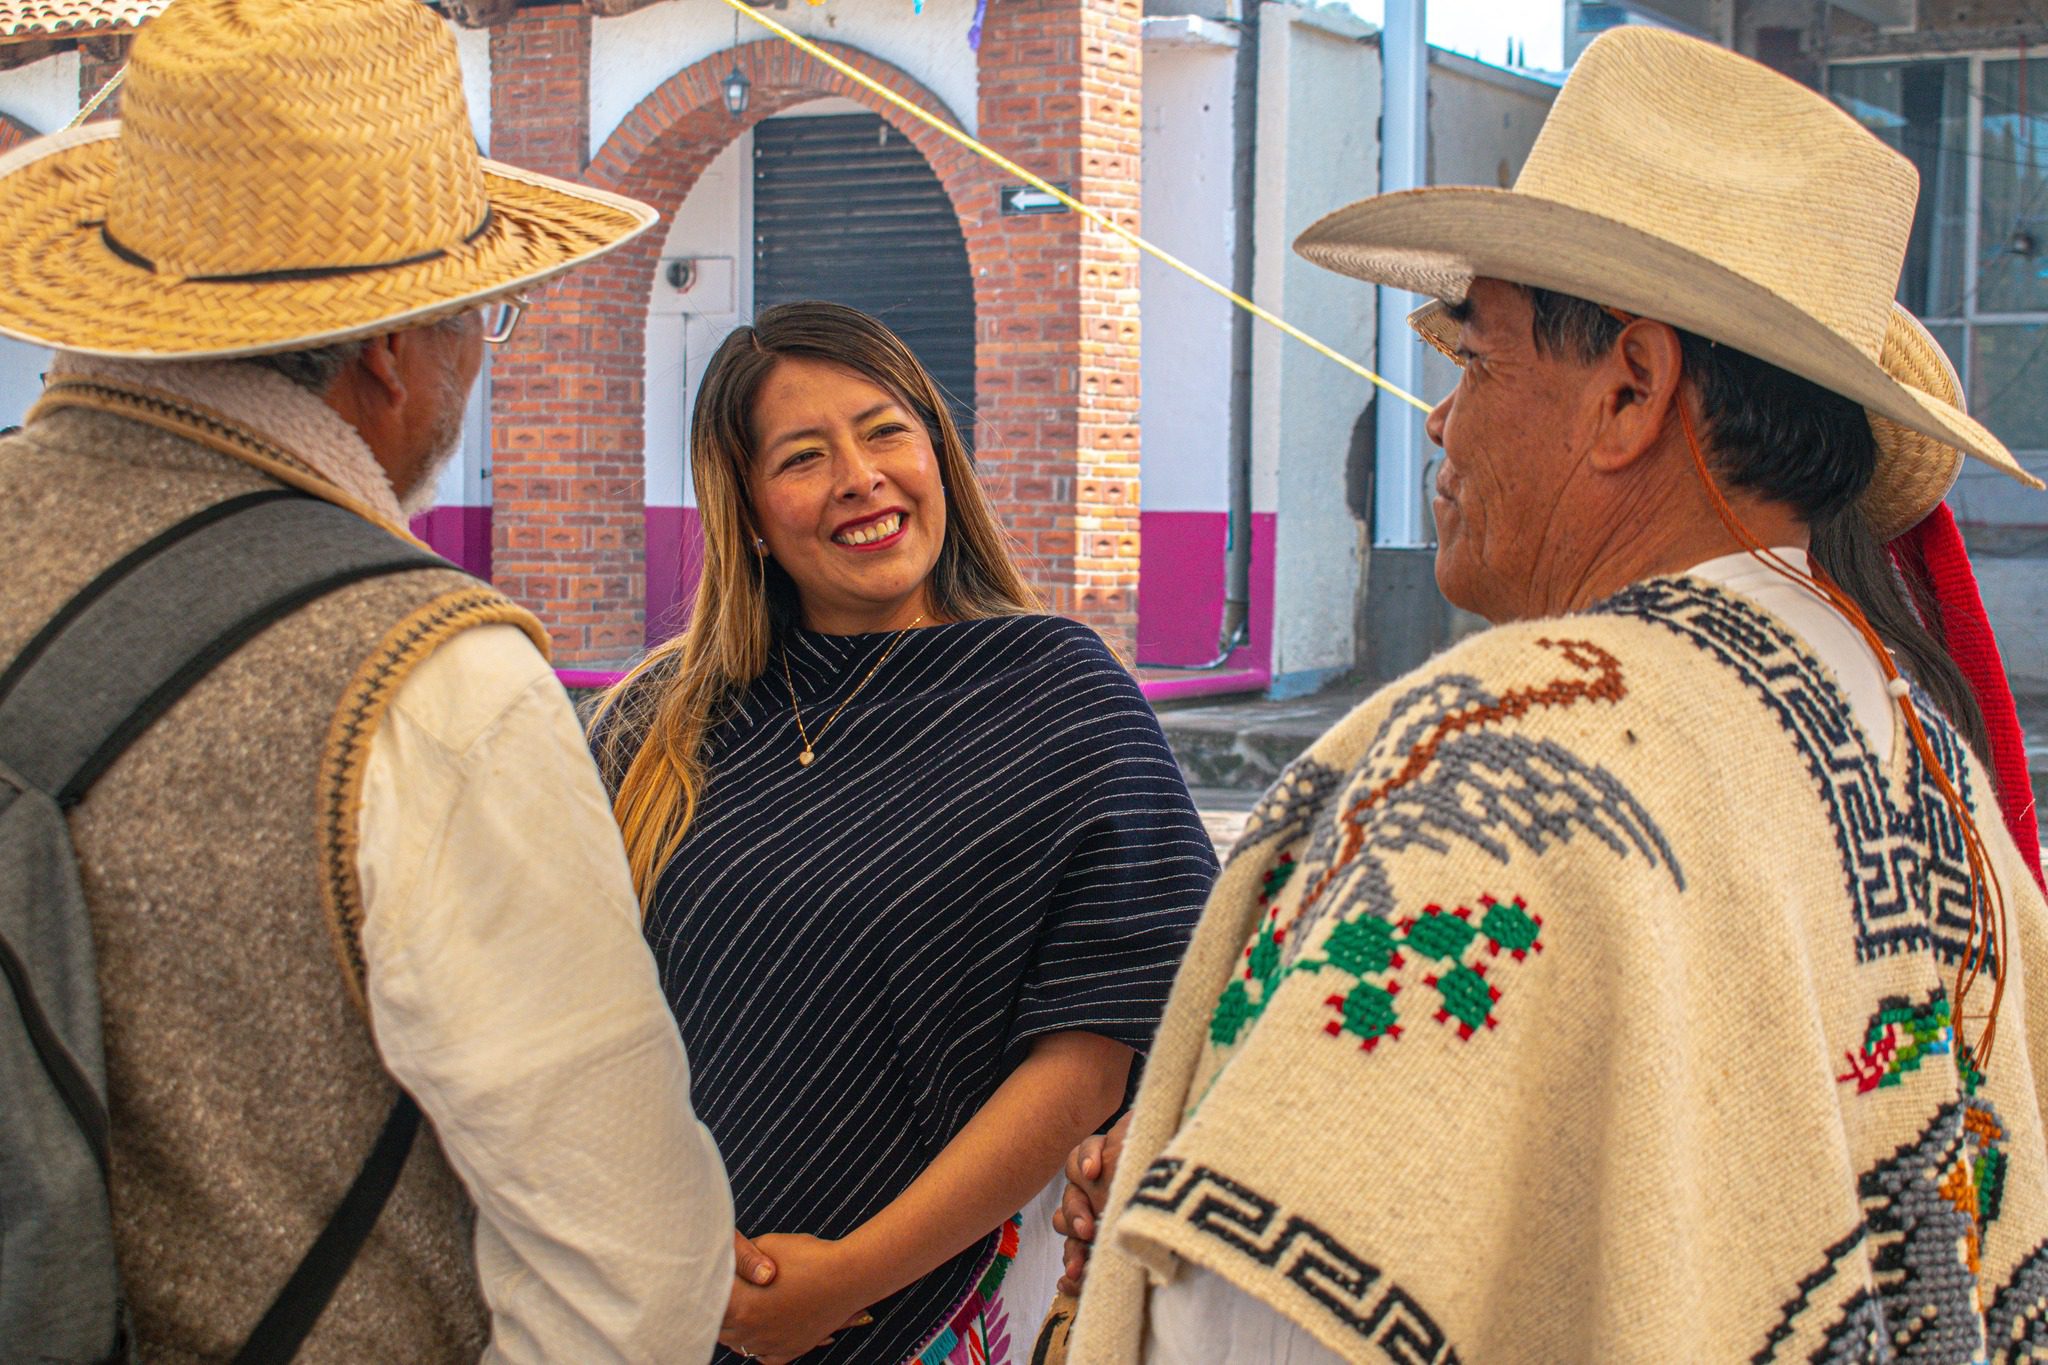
(1898, 854)
(1351, 1289)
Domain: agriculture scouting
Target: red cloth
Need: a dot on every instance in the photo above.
(1933, 553)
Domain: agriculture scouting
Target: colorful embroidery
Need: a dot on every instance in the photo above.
(1901, 1036)
(1466, 994)
(968, 1320)
(1372, 952)
(1928, 1209)
(1351, 1289)
(1236, 1007)
(1289, 807)
(1444, 768)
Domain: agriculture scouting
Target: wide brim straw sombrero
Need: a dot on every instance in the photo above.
(1679, 181)
(287, 174)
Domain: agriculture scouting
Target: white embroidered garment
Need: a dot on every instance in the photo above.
(1585, 995)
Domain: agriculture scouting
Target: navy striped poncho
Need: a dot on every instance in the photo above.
(993, 843)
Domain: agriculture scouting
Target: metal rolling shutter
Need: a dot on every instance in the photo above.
(847, 210)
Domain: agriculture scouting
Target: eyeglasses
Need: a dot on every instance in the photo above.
(501, 320)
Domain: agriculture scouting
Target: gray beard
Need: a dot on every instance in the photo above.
(447, 442)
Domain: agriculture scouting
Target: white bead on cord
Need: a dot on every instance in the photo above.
(1899, 688)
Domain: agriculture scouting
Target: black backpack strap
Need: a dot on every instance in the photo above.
(123, 651)
(305, 1295)
(120, 654)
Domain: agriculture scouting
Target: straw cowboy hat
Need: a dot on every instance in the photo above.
(288, 173)
(1679, 181)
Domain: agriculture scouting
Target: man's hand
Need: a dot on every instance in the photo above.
(802, 1308)
(1091, 1166)
(749, 1264)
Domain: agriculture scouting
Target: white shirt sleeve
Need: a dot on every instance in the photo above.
(511, 993)
(1200, 1318)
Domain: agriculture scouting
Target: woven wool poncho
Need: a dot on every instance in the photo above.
(1585, 996)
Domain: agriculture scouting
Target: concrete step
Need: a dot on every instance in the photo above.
(1242, 744)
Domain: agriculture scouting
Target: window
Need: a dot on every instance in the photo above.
(1976, 268)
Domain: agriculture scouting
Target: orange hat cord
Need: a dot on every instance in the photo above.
(1988, 941)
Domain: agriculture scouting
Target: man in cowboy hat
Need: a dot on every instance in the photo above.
(1621, 985)
(370, 850)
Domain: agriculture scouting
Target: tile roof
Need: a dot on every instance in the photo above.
(21, 20)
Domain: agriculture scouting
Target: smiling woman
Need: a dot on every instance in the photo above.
(918, 864)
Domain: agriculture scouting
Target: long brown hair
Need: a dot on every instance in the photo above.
(650, 728)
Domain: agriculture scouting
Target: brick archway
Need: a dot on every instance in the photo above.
(658, 151)
(662, 148)
(1055, 304)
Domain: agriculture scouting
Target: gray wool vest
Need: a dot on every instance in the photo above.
(216, 857)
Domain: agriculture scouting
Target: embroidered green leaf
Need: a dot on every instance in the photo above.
(1363, 946)
(1369, 1012)
(1440, 935)
(1266, 954)
(1466, 996)
(1234, 1009)
(1509, 926)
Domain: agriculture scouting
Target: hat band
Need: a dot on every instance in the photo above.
(311, 272)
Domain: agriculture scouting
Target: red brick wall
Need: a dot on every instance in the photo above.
(1057, 364)
(13, 132)
(567, 521)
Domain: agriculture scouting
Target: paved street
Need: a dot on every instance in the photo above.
(1223, 813)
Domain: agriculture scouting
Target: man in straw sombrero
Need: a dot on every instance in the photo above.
(369, 850)
(1622, 985)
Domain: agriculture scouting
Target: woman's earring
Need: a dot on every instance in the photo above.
(760, 546)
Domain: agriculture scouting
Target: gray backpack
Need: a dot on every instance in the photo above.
(107, 666)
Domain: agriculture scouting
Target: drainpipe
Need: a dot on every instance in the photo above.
(1404, 164)
(1235, 629)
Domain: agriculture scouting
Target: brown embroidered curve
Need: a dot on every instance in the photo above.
(210, 429)
(347, 753)
(1558, 692)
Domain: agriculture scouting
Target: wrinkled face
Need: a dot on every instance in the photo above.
(847, 494)
(1512, 437)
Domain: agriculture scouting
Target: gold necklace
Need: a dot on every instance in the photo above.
(805, 758)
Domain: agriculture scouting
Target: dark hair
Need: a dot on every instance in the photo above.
(314, 370)
(1794, 442)
(1904, 615)
(1780, 436)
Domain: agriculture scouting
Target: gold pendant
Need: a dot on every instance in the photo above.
(805, 758)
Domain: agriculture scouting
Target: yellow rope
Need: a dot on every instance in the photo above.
(989, 153)
(97, 100)
(983, 150)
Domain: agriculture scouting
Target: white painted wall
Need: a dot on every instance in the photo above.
(1319, 95)
(714, 226)
(473, 48)
(1184, 380)
(632, 55)
(43, 94)
(1482, 120)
